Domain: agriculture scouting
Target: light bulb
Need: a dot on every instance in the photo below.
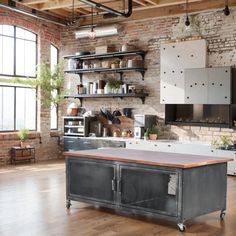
(187, 21)
(92, 34)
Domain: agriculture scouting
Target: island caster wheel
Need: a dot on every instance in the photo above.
(222, 215)
(181, 227)
(68, 204)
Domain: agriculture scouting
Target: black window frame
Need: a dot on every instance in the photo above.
(14, 75)
(36, 111)
(36, 55)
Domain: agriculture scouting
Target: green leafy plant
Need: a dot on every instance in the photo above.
(49, 82)
(153, 130)
(224, 141)
(215, 143)
(23, 134)
(114, 84)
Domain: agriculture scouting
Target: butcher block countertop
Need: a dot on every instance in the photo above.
(149, 157)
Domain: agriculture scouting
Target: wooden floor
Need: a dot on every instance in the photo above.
(32, 203)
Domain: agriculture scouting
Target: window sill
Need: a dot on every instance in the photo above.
(13, 135)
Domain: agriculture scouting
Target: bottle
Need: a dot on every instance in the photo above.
(80, 88)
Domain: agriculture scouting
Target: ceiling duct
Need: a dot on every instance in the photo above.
(101, 31)
(109, 10)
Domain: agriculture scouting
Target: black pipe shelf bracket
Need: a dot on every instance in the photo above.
(141, 96)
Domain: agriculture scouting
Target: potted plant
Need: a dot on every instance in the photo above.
(153, 132)
(224, 142)
(23, 135)
(114, 85)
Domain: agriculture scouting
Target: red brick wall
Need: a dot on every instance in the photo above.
(217, 29)
(46, 146)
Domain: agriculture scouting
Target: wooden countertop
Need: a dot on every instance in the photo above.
(149, 157)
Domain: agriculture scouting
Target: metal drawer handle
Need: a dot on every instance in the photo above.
(70, 141)
(87, 143)
(119, 186)
(113, 185)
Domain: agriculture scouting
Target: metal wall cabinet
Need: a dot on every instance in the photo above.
(219, 85)
(208, 85)
(196, 86)
(175, 58)
(165, 192)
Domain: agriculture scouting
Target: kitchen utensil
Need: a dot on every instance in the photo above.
(109, 115)
(117, 113)
(105, 132)
(116, 121)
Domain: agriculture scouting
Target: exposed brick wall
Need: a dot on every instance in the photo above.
(46, 146)
(217, 29)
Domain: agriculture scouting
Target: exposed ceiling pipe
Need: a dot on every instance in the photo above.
(110, 10)
(32, 15)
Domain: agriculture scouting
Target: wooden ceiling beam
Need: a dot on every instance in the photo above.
(30, 2)
(194, 7)
(142, 3)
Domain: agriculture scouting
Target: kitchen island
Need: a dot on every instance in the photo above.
(171, 186)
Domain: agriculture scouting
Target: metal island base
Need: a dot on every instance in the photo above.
(171, 186)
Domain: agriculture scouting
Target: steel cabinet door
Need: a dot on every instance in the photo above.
(219, 85)
(148, 189)
(196, 86)
(91, 180)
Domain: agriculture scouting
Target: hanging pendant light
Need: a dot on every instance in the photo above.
(92, 33)
(226, 9)
(187, 21)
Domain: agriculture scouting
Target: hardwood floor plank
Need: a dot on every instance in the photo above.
(32, 203)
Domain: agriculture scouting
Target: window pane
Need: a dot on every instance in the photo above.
(30, 36)
(30, 58)
(25, 34)
(54, 57)
(20, 57)
(7, 109)
(7, 55)
(53, 62)
(8, 30)
(25, 108)
(25, 58)
(53, 117)
(1, 55)
(30, 117)
(20, 33)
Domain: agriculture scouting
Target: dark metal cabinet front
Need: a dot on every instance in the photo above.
(75, 144)
(91, 180)
(149, 189)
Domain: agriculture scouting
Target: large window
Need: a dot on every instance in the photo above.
(18, 52)
(17, 108)
(18, 58)
(54, 110)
